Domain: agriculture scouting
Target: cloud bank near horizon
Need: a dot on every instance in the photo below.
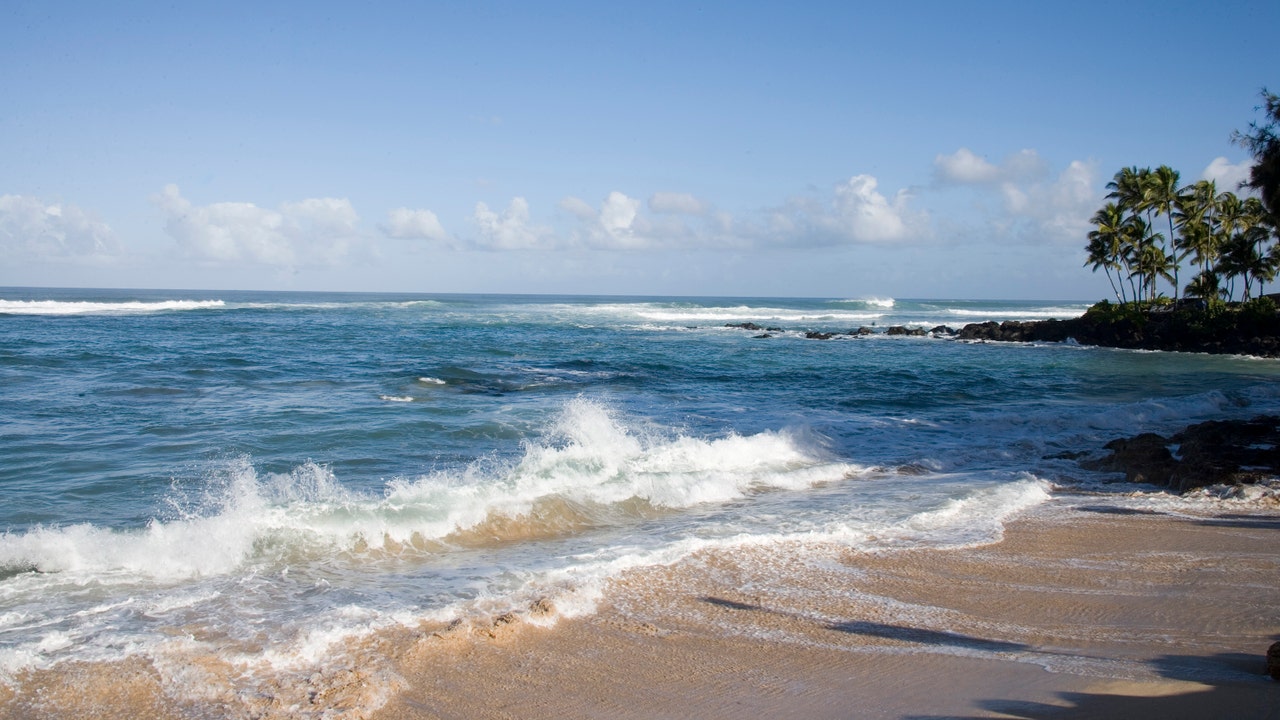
(30, 227)
(311, 232)
(1029, 203)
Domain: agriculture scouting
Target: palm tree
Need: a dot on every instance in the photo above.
(1255, 231)
(1205, 285)
(1133, 237)
(1197, 208)
(1272, 261)
(1146, 260)
(1160, 194)
(1229, 211)
(1153, 263)
(1107, 245)
(1226, 237)
(1238, 260)
(1199, 241)
(1127, 188)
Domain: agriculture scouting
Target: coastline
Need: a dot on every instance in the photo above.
(1090, 606)
(1088, 597)
(1082, 610)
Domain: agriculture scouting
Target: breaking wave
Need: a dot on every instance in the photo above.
(65, 307)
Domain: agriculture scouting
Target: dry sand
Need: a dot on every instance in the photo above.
(1080, 612)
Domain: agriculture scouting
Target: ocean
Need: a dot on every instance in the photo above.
(266, 478)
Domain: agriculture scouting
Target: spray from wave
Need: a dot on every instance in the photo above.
(591, 469)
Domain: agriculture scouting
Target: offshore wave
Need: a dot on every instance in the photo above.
(342, 305)
(1061, 313)
(593, 470)
(869, 302)
(75, 307)
(751, 313)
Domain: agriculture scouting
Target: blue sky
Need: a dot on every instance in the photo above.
(910, 149)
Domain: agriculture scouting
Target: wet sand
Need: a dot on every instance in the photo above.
(1088, 613)
(1084, 610)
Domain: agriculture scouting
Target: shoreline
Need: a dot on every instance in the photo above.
(1091, 606)
(1089, 610)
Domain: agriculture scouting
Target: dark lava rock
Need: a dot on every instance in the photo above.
(815, 335)
(900, 330)
(1240, 331)
(1018, 331)
(1273, 661)
(745, 326)
(1218, 452)
(1144, 458)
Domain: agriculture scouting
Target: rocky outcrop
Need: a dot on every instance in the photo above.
(752, 326)
(1248, 330)
(1218, 452)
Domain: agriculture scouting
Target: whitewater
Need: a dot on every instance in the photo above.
(263, 477)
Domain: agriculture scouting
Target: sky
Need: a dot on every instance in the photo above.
(846, 149)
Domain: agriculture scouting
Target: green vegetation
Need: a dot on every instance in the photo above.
(1231, 242)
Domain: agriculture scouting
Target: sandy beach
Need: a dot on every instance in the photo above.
(1084, 610)
(1090, 611)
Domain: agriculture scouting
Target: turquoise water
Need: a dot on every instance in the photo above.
(285, 470)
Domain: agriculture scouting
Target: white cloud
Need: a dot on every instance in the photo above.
(857, 212)
(1037, 206)
(413, 224)
(964, 167)
(864, 215)
(1058, 210)
(1228, 176)
(621, 223)
(512, 230)
(617, 225)
(313, 232)
(32, 228)
(618, 217)
(578, 208)
(676, 204)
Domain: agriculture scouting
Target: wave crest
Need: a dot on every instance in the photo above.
(592, 469)
(65, 307)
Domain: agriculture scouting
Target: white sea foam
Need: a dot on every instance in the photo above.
(1060, 313)
(63, 307)
(591, 458)
(871, 302)
(978, 517)
(431, 381)
(679, 315)
(975, 517)
(396, 398)
(753, 314)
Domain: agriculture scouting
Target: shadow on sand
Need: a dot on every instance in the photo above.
(1236, 686)
(1230, 685)
(901, 633)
